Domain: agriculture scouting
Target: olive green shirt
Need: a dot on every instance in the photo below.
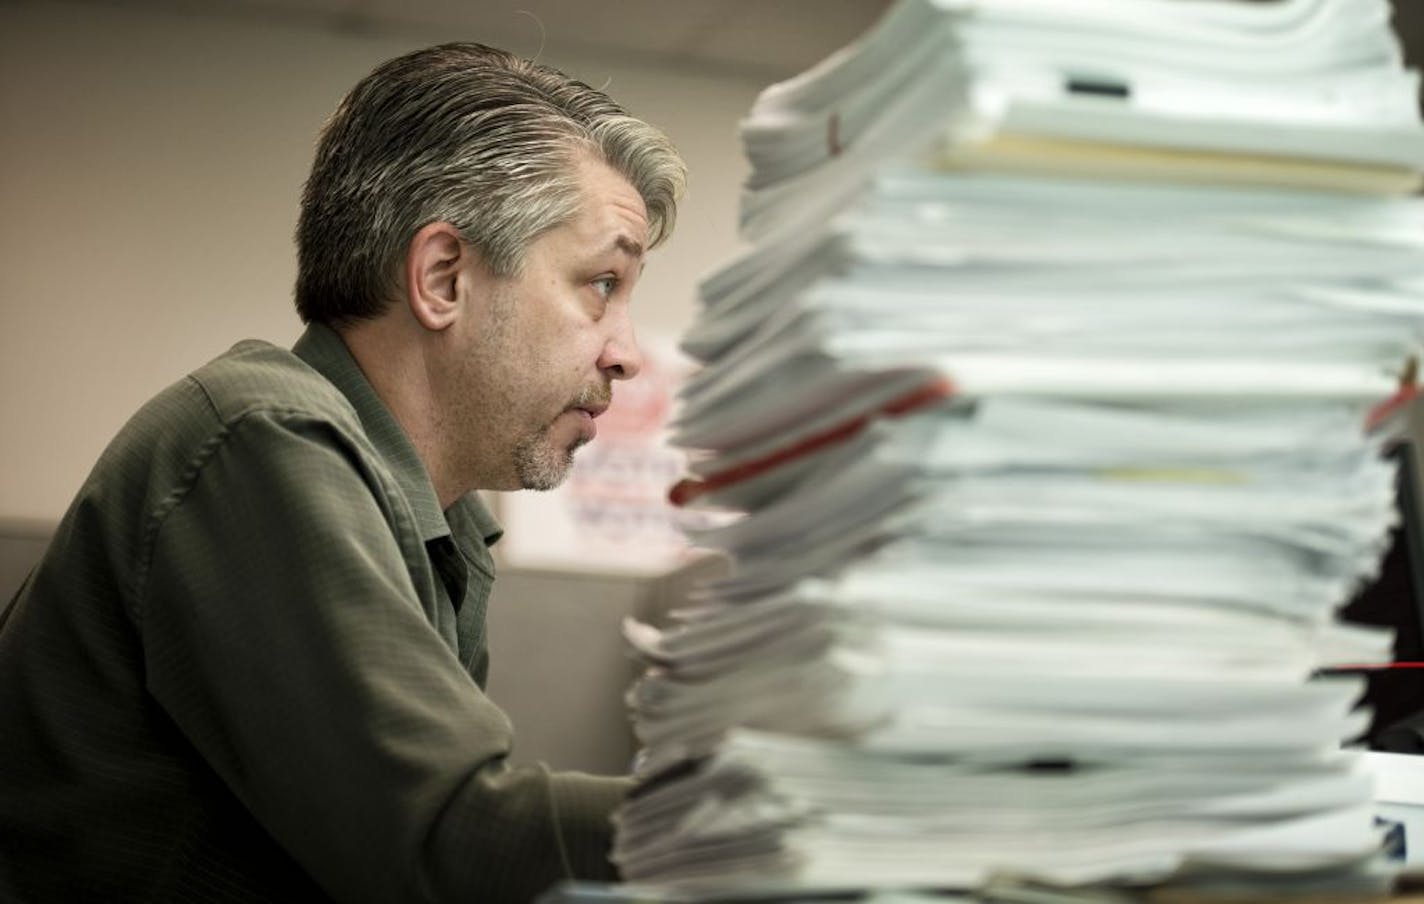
(250, 668)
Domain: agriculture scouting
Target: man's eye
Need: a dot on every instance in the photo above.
(606, 285)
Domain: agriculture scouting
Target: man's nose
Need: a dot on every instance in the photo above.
(621, 358)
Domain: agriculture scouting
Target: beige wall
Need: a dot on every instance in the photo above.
(150, 165)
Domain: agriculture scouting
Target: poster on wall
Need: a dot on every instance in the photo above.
(611, 514)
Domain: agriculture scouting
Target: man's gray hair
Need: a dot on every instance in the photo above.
(472, 136)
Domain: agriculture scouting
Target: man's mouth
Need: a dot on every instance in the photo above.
(593, 400)
(591, 403)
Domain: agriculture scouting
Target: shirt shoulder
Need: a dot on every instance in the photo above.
(165, 435)
(258, 376)
(154, 460)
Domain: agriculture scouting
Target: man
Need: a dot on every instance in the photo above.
(250, 665)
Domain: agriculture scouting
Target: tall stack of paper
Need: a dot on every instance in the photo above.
(1044, 389)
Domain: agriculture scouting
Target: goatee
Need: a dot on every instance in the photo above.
(541, 466)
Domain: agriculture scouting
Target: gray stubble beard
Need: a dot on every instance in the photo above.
(540, 467)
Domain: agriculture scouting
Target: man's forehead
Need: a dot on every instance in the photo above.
(603, 234)
(610, 219)
(605, 190)
(605, 226)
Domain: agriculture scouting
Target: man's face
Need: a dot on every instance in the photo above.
(540, 365)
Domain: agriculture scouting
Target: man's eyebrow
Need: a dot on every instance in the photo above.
(627, 246)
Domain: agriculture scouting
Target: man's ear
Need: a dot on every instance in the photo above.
(434, 263)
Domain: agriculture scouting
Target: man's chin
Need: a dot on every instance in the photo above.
(542, 482)
(546, 471)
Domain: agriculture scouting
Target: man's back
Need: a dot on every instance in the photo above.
(89, 759)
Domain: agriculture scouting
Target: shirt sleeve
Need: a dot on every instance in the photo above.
(283, 635)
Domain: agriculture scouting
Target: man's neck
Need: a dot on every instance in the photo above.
(397, 368)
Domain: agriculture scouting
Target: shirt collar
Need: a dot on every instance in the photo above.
(324, 350)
